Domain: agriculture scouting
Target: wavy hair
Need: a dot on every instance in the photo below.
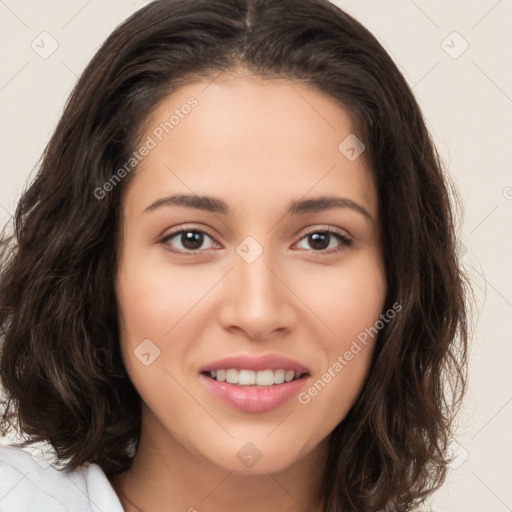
(61, 366)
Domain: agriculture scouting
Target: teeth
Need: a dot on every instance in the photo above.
(279, 376)
(265, 378)
(247, 378)
(252, 378)
(232, 376)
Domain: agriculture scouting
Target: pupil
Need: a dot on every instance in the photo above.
(314, 239)
(191, 239)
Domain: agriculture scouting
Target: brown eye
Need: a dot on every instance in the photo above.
(324, 240)
(187, 240)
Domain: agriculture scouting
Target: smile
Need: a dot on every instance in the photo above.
(264, 378)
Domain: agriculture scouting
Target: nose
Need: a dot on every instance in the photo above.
(257, 298)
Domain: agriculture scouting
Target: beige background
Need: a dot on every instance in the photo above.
(466, 97)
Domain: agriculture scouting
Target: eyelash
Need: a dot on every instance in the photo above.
(344, 241)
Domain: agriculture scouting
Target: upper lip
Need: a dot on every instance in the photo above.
(256, 363)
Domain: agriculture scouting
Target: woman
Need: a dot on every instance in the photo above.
(234, 278)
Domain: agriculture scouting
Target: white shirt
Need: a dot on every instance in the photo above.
(29, 484)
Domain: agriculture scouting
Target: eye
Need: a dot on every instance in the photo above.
(189, 241)
(321, 239)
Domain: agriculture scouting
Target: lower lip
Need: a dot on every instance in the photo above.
(250, 399)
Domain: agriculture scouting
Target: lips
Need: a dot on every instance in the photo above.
(254, 398)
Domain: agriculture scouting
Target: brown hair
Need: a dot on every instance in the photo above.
(60, 359)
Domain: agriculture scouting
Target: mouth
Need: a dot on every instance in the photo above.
(254, 384)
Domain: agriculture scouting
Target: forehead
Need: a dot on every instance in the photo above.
(250, 139)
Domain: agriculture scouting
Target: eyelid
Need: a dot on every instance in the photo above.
(314, 228)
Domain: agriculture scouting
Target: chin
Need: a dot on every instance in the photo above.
(257, 457)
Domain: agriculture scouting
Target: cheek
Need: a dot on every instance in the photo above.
(154, 298)
(348, 299)
(148, 308)
(159, 302)
(349, 303)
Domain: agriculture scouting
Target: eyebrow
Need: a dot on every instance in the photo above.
(299, 207)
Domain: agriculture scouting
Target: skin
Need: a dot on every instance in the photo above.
(258, 145)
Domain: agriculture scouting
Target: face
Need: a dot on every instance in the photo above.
(222, 301)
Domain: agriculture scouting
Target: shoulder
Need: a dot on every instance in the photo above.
(29, 484)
